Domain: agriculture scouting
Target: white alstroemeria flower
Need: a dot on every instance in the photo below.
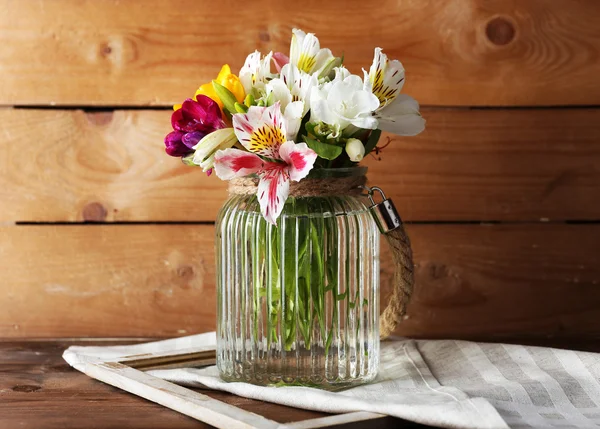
(262, 131)
(355, 150)
(292, 90)
(398, 114)
(292, 85)
(210, 144)
(344, 102)
(307, 55)
(255, 71)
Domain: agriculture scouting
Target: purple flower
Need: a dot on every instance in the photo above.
(191, 123)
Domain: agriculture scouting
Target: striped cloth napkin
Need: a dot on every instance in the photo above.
(441, 383)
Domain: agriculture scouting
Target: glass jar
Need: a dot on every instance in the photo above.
(298, 303)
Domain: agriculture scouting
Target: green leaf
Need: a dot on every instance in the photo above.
(225, 96)
(309, 127)
(240, 108)
(342, 296)
(372, 141)
(324, 150)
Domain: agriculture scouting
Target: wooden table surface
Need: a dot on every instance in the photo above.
(39, 390)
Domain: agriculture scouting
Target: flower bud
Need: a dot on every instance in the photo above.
(280, 60)
(209, 145)
(355, 150)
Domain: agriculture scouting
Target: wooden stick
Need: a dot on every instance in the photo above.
(185, 401)
(170, 360)
(127, 374)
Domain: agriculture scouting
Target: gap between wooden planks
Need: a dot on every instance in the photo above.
(473, 281)
(460, 52)
(490, 165)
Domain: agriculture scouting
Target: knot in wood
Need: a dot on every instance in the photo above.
(27, 388)
(500, 31)
(94, 212)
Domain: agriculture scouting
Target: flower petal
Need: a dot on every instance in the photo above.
(230, 163)
(202, 114)
(403, 104)
(328, 67)
(296, 44)
(249, 69)
(300, 84)
(402, 117)
(177, 119)
(366, 121)
(364, 101)
(293, 114)
(191, 139)
(406, 125)
(256, 71)
(319, 108)
(386, 77)
(208, 164)
(273, 190)
(344, 102)
(304, 49)
(323, 59)
(174, 146)
(341, 73)
(209, 109)
(229, 81)
(223, 73)
(220, 139)
(280, 59)
(341, 91)
(277, 89)
(208, 90)
(299, 159)
(261, 130)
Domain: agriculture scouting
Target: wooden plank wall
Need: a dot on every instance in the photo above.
(101, 234)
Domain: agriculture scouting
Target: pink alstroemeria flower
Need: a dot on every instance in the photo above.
(192, 122)
(262, 131)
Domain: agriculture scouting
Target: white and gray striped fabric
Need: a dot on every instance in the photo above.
(442, 383)
(530, 387)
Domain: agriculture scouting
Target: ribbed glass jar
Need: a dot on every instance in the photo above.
(298, 303)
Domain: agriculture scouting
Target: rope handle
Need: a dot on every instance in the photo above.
(389, 223)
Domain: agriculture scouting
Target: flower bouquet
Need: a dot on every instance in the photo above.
(297, 248)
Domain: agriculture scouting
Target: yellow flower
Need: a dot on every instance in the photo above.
(228, 80)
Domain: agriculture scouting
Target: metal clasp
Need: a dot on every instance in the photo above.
(385, 214)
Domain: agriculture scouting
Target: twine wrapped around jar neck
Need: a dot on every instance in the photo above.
(397, 239)
(308, 187)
